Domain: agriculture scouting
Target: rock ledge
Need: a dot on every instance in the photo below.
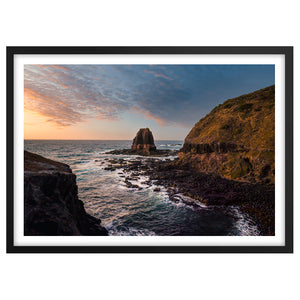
(51, 204)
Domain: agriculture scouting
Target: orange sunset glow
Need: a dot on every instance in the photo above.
(113, 101)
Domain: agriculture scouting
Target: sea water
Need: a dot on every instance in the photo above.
(130, 212)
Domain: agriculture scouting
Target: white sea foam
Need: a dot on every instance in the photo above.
(244, 225)
(170, 145)
(128, 231)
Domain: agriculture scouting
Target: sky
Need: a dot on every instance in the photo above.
(112, 102)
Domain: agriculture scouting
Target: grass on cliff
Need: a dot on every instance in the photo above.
(248, 120)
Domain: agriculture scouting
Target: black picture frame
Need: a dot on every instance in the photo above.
(288, 59)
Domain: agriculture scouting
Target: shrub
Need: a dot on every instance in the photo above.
(245, 107)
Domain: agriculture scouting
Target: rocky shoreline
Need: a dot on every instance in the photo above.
(202, 188)
(257, 200)
(154, 153)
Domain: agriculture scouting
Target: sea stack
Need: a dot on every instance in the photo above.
(143, 143)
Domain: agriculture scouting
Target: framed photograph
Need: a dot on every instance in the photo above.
(149, 149)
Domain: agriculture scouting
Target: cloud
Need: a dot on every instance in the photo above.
(161, 75)
(54, 111)
(148, 115)
(169, 94)
(69, 96)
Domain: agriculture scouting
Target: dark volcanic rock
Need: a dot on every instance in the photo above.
(155, 153)
(143, 142)
(202, 148)
(255, 199)
(51, 204)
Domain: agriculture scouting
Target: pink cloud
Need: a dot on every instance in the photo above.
(157, 74)
(148, 115)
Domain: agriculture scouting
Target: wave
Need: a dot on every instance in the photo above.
(128, 231)
(170, 145)
(244, 225)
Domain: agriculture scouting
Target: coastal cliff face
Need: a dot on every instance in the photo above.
(236, 139)
(51, 204)
(143, 142)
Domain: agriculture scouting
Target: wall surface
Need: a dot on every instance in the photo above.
(145, 23)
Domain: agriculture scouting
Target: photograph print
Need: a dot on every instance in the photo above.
(149, 150)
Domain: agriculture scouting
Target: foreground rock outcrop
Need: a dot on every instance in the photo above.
(51, 204)
(236, 139)
(143, 142)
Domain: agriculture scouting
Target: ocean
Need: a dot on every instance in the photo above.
(136, 212)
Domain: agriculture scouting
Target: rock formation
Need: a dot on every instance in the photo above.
(51, 204)
(236, 139)
(143, 143)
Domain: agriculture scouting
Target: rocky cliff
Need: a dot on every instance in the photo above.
(236, 139)
(51, 204)
(143, 142)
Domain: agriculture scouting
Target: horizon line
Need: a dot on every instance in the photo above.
(94, 140)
